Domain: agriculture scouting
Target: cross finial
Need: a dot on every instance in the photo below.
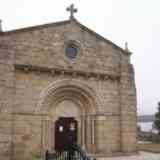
(126, 46)
(72, 10)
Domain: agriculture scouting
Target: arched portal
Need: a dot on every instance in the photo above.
(72, 99)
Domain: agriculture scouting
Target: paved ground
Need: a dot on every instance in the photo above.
(142, 156)
(150, 156)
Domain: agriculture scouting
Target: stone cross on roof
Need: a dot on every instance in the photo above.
(72, 10)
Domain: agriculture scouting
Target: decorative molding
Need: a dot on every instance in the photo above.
(103, 114)
(53, 72)
(86, 115)
(30, 114)
(74, 74)
(101, 118)
(51, 93)
(26, 69)
(88, 75)
(62, 73)
(68, 72)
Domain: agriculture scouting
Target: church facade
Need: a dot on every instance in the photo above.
(60, 80)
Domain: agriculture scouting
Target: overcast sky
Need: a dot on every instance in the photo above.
(134, 21)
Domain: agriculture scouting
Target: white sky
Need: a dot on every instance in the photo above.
(134, 21)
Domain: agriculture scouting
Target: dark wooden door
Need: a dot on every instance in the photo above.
(65, 132)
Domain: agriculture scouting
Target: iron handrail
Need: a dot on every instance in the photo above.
(70, 152)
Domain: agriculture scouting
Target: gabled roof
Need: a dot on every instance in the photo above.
(102, 38)
(98, 36)
(37, 27)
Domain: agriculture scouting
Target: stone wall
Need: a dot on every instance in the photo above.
(6, 98)
(30, 85)
(46, 47)
(32, 59)
(27, 135)
(128, 108)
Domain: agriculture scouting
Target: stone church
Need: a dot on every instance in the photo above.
(60, 80)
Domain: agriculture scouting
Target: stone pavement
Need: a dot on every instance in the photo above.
(141, 156)
(150, 156)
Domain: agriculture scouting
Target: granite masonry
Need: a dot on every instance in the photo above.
(64, 69)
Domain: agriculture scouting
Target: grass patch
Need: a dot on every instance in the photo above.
(149, 147)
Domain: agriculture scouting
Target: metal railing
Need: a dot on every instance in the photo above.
(71, 152)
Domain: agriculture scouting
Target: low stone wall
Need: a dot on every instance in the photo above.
(148, 136)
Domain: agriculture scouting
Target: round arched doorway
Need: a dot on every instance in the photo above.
(69, 100)
(67, 115)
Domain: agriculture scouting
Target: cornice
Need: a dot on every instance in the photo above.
(68, 72)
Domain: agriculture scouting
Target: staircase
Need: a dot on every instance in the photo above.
(71, 152)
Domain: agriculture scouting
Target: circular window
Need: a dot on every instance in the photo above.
(71, 51)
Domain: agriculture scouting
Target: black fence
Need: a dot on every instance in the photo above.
(71, 152)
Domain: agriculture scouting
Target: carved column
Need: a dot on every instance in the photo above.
(53, 135)
(49, 134)
(46, 135)
(93, 133)
(83, 138)
(88, 134)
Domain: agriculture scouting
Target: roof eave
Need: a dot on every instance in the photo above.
(32, 28)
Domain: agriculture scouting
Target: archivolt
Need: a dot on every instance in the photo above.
(68, 89)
